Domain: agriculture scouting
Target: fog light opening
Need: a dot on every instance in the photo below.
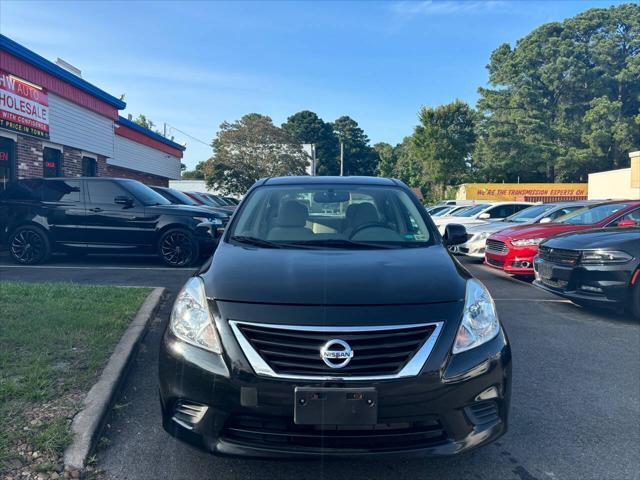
(589, 288)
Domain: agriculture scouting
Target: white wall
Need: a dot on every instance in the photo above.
(135, 156)
(614, 184)
(77, 127)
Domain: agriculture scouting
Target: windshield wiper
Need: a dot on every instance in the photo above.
(341, 243)
(257, 242)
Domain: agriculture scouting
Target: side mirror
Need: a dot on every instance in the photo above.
(454, 234)
(484, 216)
(123, 200)
(546, 220)
(626, 223)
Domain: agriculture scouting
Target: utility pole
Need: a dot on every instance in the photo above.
(313, 159)
(341, 158)
(165, 130)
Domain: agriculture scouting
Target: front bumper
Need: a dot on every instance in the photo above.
(233, 411)
(517, 261)
(597, 285)
(470, 249)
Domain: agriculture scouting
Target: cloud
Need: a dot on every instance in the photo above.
(445, 7)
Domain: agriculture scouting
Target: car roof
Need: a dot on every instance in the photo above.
(318, 180)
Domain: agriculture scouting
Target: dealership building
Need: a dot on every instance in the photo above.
(55, 123)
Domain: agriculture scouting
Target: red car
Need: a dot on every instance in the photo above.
(513, 249)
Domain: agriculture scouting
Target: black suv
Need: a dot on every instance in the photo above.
(99, 215)
(332, 320)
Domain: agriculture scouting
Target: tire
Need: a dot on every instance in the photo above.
(29, 245)
(634, 304)
(178, 248)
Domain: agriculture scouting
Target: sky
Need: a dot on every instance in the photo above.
(196, 64)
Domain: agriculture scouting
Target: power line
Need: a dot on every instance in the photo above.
(189, 136)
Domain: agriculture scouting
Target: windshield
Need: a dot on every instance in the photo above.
(592, 214)
(529, 214)
(470, 212)
(331, 216)
(143, 193)
(182, 197)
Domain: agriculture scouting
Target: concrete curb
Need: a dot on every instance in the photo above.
(88, 422)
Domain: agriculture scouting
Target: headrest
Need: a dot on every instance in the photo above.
(366, 213)
(292, 214)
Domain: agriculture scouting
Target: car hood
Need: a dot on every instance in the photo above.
(538, 230)
(188, 210)
(461, 220)
(610, 238)
(491, 227)
(334, 277)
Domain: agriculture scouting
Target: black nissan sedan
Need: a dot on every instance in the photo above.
(332, 320)
(594, 267)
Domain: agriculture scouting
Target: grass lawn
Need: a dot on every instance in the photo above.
(54, 341)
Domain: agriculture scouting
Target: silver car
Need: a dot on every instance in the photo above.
(477, 235)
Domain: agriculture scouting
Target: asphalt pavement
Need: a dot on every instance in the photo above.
(575, 411)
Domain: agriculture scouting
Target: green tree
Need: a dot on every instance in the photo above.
(564, 101)
(387, 159)
(359, 157)
(249, 149)
(308, 127)
(145, 122)
(443, 142)
(196, 174)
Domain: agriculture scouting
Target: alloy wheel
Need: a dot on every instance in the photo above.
(28, 246)
(177, 249)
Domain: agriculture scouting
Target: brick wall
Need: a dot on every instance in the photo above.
(29, 159)
(146, 178)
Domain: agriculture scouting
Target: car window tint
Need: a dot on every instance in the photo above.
(61, 191)
(592, 214)
(633, 215)
(501, 211)
(562, 211)
(26, 190)
(103, 191)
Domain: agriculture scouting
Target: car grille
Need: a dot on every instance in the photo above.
(377, 351)
(559, 255)
(282, 432)
(496, 246)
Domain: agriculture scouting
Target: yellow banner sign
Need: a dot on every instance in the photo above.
(520, 191)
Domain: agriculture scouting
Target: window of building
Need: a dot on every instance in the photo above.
(7, 161)
(51, 162)
(89, 167)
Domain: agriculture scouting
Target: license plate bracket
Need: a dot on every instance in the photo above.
(335, 406)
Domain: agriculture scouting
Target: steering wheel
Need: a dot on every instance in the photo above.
(364, 226)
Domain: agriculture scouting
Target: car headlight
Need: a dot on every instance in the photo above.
(208, 220)
(523, 242)
(191, 320)
(591, 257)
(480, 236)
(479, 320)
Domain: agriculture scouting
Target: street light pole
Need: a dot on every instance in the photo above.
(341, 158)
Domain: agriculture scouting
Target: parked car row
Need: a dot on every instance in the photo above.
(39, 216)
(587, 251)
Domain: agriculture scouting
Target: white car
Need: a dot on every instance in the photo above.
(477, 235)
(481, 213)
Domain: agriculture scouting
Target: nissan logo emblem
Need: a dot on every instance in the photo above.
(336, 353)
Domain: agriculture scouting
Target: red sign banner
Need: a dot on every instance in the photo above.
(24, 107)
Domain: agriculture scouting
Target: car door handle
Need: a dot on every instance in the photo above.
(96, 210)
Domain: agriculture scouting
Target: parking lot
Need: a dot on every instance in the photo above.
(575, 409)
